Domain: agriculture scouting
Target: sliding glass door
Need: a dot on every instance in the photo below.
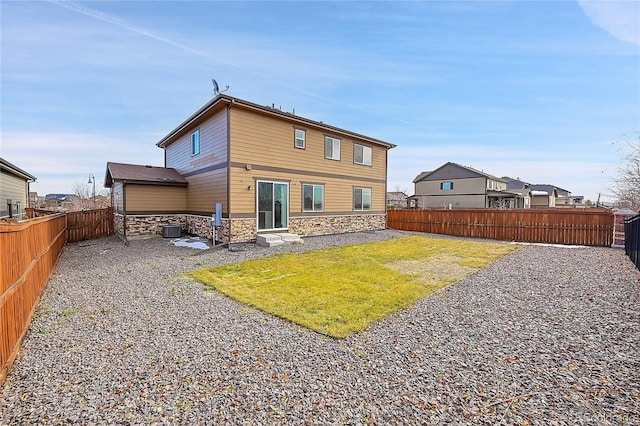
(273, 205)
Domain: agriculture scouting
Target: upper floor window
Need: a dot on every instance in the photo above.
(446, 186)
(362, 154)
(195, 142)
(331, 148)
(300, 137)
(312, 198)
(361, 198)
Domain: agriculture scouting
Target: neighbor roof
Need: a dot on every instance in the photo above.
(423, 175)
(224, 101)
(15, 170)
(135, 173)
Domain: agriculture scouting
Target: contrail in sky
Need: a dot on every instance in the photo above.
(110, 19)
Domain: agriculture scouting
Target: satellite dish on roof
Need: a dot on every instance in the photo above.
(216, 88)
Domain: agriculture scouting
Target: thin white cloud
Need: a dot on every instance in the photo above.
(621, 19)
(60, 159)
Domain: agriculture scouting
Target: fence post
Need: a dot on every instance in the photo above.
(619, 215)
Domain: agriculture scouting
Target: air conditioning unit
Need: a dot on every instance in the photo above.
(171, 231)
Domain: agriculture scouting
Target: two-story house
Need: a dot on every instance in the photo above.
(454, 186)
(268, 171)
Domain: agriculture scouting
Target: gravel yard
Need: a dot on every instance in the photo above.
(546, 335)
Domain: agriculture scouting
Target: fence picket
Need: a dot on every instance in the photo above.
(29, 252)
(593, 227)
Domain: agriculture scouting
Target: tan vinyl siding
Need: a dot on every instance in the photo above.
(12, 188)
(207, 189)
(263, 140)
(266, 146)
(338, 193)
(149, 198)
(213, 146)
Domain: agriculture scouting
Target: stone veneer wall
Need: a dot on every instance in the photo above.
(198, 225)
(138, 225)
(326, 225)
(152, 225)
(118, 223)
(201, 226)
(245, 230)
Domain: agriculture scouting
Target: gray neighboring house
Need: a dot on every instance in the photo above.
(545, 195)
(14, 190)
(454, 186)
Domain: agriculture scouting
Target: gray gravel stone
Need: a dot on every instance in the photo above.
(546, 335)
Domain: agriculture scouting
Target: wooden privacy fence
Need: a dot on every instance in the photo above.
(88, 224)
(28, 253)
(83, 225)
(591, 227)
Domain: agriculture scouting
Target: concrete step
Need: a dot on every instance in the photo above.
(271, 240)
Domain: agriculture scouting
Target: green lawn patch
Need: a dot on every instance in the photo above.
(340, 291)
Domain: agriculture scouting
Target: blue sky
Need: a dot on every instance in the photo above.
(544, 91)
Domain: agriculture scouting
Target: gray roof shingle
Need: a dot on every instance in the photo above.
(135, 173)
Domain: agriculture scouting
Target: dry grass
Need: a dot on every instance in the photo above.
(340, 291)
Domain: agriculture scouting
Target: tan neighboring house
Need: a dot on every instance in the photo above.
(454, 186)
(268, 170)
(396, 200)
(14, 190)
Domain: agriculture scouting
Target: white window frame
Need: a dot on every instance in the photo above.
(364, 149)
(195, 142)
(300, 135)
(335, 148)
(313, 199)
(362, 191)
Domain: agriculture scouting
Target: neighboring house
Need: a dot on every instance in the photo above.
(557, 196)
(396, 200)
(545, 195)
(150, 196)
(454, 186)
(268, 171)
(14, 190)
(59, 201)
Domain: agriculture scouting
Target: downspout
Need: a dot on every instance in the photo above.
(229, 167)
(124, 209)
(29, 182)
(486, 193)
(20, 214)
(386, 173)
